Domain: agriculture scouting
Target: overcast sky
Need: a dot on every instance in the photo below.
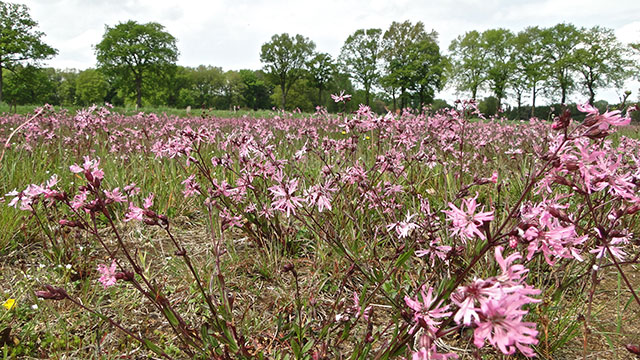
(229, 33)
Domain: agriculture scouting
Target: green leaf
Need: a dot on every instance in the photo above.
(404, 257)
(170, 316)
(153, 347)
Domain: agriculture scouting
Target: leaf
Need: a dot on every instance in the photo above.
(170, 316)
(153, 347)
(404, 257)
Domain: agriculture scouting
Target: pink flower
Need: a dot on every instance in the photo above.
(284, 199)
(108, 277)
(134, 213)
(435, 250)
(79, 200)
(356, 307)
(465, 222)
(425, 312)
(501, 324)
(320, 195)
(341, 98)
(494, 177)
(115, 195)
(89, 168)
(603, 120)
(191, 187)
(148, 201)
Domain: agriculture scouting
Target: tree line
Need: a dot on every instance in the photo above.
(402, 66)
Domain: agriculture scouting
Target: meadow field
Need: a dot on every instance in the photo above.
(417, 235)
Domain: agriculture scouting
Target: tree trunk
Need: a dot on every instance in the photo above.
(138, 92)
(393, 95)
(320, 95)
(474, 92)
(284, 95)
(592, 93)
(533, 101)
(366, 94)
(0, 82)
(564, 95)
(519, 104)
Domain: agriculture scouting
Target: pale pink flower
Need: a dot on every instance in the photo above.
(342, 97)
(191, 187)
(115, 195)
(403, 228)
(134, 213)
(494, 177)
(356, 307)
(425, 313)
(434, 250)
(148, 201)
(108, 277)
(89, 168)
(466, 222)
(501, 324)
(284, 199)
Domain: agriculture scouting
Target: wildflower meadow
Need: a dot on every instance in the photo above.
(411, 235)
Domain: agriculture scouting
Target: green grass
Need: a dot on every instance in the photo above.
(195, 112)
(254, 274)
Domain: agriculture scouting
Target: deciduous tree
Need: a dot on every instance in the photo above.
(19, 41)
(360, 55)
(469, 65)
(600, 60)
(131, 52)
(560, 43)
(285, 58)
(396, 44)
(498, 45)
(321, 69)
(532, 65)
(91, 87)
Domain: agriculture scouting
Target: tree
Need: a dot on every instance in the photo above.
(359, 56)
(469, 66)
(396, 43)
(498, 45)
(532, 65)
(66, 86)
(29, 85)
(285, 58)
(560, 44)
(600, 60)
(134, 52)
(230, 91)
(18, 39)
(207, 83)
(254, 89)
(426, 67)
(321, 69)
(91, 87)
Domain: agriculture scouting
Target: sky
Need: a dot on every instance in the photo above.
(229, 33)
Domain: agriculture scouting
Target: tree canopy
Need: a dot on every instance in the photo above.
(285, 58)
(360, 55)
(131, 52)
(19, 41)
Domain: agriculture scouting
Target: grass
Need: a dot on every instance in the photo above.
(266, 308)
(160, 110)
